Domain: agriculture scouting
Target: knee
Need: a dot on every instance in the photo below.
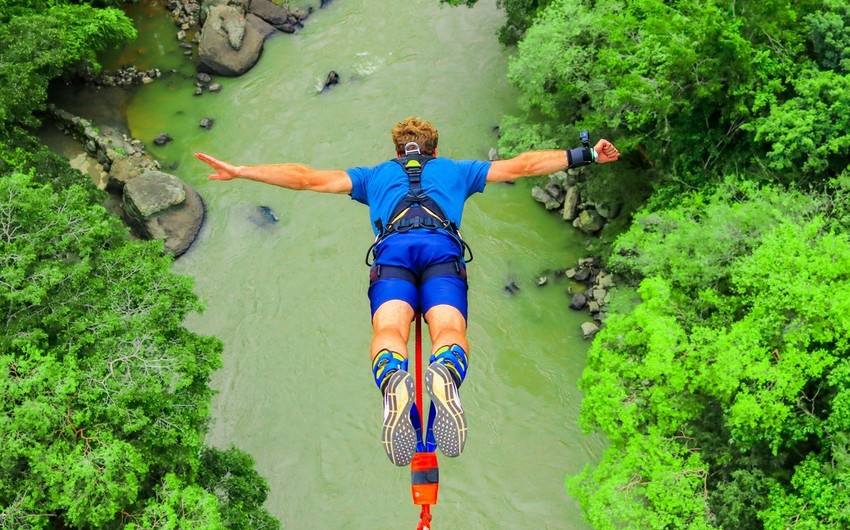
(446, 318)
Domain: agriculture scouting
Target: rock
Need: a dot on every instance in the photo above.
(150, 193)
(215, 87)
(493, 154)
(571, 203)
(511, 287)
(181, 223)
(330, 80)
(608, 212)
(122, 171)
(207, 5)
(297, 15)
(580, 275)
(203, 78)
(555, 191)
(589, 222)
(542, 280)
(605, 280)
(225, 26)
(269, 12)
(578, 302)
(589, 329)
(542, 196)
(162, 139)
(88, 165)
(269, 214)
(207, 123)
(265, 29)
(160, 206)
(234, 28)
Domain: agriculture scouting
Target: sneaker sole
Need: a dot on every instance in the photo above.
(450, 422)
(398, 434)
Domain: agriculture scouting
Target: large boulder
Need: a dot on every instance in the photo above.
(229, 45)
(160, 206)
(269, 11)
(265, 29)
(206, 5)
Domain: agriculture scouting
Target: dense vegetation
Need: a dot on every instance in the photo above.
(722, 377)
(104, 396)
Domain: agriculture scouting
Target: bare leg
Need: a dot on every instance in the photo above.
(446, 326)
(391, 327)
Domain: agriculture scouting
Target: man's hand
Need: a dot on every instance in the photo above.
(605, 151)
(223, 170)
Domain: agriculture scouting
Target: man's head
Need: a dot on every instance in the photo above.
(415, 130)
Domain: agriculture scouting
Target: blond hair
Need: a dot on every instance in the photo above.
(415, 130)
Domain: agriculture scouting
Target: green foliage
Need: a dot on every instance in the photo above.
(241, 491)
(178, 505)
(519, 15)
(830, 35)
(693, 243)
(690, 89)
(809, 133)
(732, 372)
(21, 152)
(104, 395)
(38, 46)
(651, 482)
(100, 381)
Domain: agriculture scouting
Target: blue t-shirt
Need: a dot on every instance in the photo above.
(449, 182)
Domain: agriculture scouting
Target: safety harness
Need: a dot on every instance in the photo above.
(414, 211)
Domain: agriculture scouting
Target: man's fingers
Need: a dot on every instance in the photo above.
(207, 159)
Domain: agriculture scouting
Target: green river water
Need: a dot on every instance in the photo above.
(289, 299)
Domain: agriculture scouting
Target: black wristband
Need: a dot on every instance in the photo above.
(580, 156)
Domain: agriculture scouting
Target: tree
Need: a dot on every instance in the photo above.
(519, 15)
(730, 372)
(38, 46)
(691, 90)
(104, 395)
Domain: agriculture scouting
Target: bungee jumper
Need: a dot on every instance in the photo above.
(418, 267)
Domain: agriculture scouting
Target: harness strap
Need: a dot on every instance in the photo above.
(416, 209)
(447, 268)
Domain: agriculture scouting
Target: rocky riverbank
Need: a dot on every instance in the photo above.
(154, 204)
(227, 38)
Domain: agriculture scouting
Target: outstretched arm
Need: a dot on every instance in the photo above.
(290, 176)
(543, 162)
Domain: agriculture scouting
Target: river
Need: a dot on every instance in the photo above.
(288, 299)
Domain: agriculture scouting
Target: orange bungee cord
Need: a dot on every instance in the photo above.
(424, 470)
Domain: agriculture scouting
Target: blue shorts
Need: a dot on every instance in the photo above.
(416, 251)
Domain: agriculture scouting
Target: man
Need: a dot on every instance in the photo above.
(415, 203)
